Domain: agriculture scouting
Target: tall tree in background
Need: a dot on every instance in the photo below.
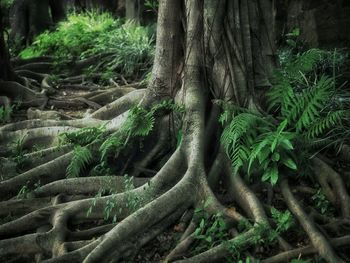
(30, 18)
(205, 51)
(6, 72)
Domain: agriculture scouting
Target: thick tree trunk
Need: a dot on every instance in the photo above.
(58, 10)
(205, 51)
(31, 17)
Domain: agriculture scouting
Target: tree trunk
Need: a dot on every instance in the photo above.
(6, 72)
(31, 17)
(205, 51)
(58, 10)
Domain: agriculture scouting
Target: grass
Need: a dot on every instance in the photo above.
(129, 48)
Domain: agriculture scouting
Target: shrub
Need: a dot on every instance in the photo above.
(126, 49)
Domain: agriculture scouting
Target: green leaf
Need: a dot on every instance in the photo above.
(274, 175)
(266, 176)
(202, 223)
(289, 163)
(286, 144)
(291, 43)
(209, 239)
(276, 157)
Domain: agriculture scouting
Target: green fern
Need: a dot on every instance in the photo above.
(112, 144)
(322, 124)
(83, 136)
(303, 62)
(238, 135)
(140, 122)
(281, 95)
(305, 113)
(311, 102)
(81, 157)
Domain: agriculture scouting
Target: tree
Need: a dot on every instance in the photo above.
(30, 18)
(6, 72)
(205, 51)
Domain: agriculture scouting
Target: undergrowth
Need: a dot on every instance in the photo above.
(95, 145)
(123, 48)
(307, 111)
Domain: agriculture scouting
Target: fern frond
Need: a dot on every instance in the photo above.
(83, 136)
(281, 95)
(311, 102)
(113, 143)
(322, 124)
(304, 63)
(238, 136)
(139, 122)
(81, 157)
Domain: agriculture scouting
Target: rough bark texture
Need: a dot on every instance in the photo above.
(6, 72)
(30, 18)
(205, 51)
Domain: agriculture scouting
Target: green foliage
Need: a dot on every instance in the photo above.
(83, 136)
(236, 246)
(111, 145)
(111, 208)
(303, 108)
(211, 231)
(139, 123)
(133, 200)
(5, 114)
(283, 221)
(247, 260)
(25, 190)
(126, 49)
(152, 5)
(81, 157)
(250, 139)
(72, 37)
(322, 204)
(18, 151)
(6, 4)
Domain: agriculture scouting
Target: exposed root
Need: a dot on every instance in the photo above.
(333, 185)
(317, 239)
(86, 186)
(305, 251)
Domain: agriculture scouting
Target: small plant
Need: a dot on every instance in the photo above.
(152, 5)
(139, 123)
(23, 192)
(18, 151)
(83, 136)
(211, 230)
(283, 220)
(5, 114)
(133, 201)
(237, 245)
(81, 157)
(303, 108)
(248, 260)
(109, 206)
(322, 204)
(99, 194)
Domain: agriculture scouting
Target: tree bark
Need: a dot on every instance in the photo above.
(205, 51)
(6, 71)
